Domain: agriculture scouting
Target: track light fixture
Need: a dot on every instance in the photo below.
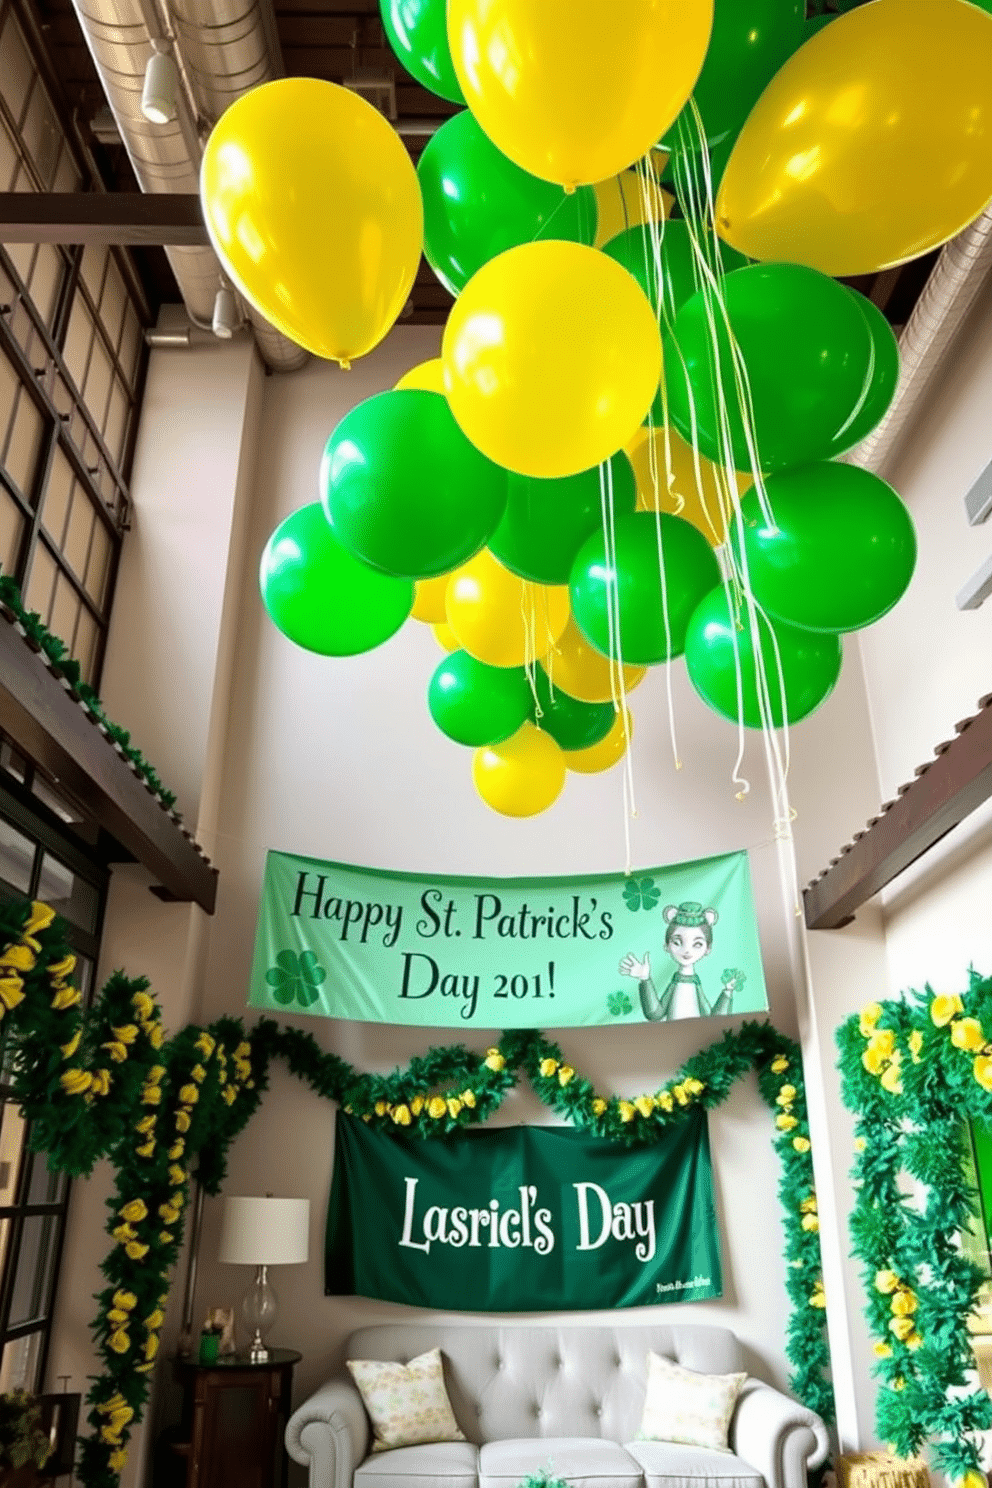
(226, 318)
(158, 96)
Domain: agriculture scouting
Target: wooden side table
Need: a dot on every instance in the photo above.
(234, 1417)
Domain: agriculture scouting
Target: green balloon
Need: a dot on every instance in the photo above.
(547, 521)
(882, 384)
(841, 552)
(634, 582)
(679, 276)
(798, 663)
(808, 354)
(571, 723)
(475, 704)
(405, 490)
(320, 596)
(418, 34)
(477, 204)
(749, 42)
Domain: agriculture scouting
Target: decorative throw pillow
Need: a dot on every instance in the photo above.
(683, 1406)
(407, 1403)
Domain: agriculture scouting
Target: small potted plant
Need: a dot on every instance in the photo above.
(24, 1445)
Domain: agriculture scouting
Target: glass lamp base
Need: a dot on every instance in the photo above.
(258, 1313)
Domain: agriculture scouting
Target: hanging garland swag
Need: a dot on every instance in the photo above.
(106, 1083)
(914, 1072)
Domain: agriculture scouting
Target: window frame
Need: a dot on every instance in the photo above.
(30, 816)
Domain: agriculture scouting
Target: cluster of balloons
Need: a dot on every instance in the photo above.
(624, 392)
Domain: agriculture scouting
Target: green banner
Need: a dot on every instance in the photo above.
(359, 943)
(522, 1219)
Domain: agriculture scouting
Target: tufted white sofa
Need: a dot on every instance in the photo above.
(567, 1399)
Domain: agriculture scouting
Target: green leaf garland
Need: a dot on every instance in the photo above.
(108, 1084)
(64, 665)
(914, 1071)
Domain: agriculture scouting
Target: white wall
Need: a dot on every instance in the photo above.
(928, 664)
(338, 758)
(167, 679)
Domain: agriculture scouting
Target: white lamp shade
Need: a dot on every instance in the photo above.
(265, 1232)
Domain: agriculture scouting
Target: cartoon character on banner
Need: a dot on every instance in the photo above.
(688, 938)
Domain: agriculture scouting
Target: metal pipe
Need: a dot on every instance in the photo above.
(218, 58)
(952, 288)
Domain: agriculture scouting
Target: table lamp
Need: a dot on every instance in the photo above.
(263, 1232)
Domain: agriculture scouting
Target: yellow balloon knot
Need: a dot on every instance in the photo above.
(344, 364)
(570, 188)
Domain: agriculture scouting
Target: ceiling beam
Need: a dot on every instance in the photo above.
(131, 219)
(945, 791)
(45, 723)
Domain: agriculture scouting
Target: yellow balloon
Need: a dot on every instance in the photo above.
(551, 358)
(871, 145)
(501, 619)
(313, 206)
(627, 201)
(567, 97)
(428, 377)
(428, 600)
(604, 755)
(523, 775)
(705, 502)
(585, 673)
(446, 638)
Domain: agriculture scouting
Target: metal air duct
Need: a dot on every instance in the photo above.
(219, 58)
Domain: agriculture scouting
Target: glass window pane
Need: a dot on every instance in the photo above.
(46, 280)
(11, 532)
(32, 1279)
(98, 568)
(21, 256)
(9, 162)
(25, 444)
(67, 177)
(91, 271)
(9, 388)
(40, 134)
(13, 1130)
(19, 1366)
(77, 341)
(16, 67)
(73, 898)
(115, 427)
(16, 857)
(41, 581)
(77, 538)
(98, 377)
(65, 609)
(44, 1187)
(113, 303)
(130, 348)
(85, 647)
(56, 502)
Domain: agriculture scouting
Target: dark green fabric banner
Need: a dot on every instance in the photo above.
(522, 1219)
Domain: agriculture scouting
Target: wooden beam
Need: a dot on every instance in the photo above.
(47, 725)
(945, 791)
(116, 217)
